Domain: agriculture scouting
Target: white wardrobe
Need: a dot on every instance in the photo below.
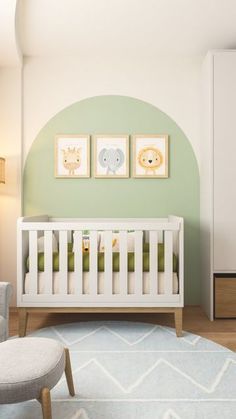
(218, 184)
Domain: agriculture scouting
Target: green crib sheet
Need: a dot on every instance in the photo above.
(101, 260)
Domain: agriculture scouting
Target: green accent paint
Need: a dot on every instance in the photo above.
(179, 194)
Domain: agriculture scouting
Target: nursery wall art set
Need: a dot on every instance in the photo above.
(111, 156)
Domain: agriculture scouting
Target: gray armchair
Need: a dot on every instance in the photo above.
(5, 295)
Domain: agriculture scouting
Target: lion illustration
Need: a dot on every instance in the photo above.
(150, 159)
(72, 159)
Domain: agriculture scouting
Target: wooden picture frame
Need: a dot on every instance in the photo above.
(150, 156)
(72, 156)
(111, 156)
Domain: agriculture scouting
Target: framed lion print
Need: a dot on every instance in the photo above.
(150, 156)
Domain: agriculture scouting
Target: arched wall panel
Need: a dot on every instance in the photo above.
(179, 194)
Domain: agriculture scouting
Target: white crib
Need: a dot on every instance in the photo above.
(151, 292)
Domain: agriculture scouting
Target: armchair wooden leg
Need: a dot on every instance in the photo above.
(45, 400)
(179, 321)
(68, 373)
(23, 318)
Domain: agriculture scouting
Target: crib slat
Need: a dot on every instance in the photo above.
(138, 262)
(48, 268)
(108, 263)
(63, 262)
(33, 262)
(153, 261)
(78, 262)
(93, 264)
(123, 263)
(168, 243)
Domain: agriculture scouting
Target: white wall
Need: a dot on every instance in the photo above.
(170, 83)
(10, 54)
(10, 138)
(10, 148)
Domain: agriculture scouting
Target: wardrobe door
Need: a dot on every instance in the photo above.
(224, 155)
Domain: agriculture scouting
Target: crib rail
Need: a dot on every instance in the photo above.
(169, 231)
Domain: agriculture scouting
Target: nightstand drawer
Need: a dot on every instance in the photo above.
(225, 297)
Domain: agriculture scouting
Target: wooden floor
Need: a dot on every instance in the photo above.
(195, 321)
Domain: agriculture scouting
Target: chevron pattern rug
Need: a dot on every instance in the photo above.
(125, 370)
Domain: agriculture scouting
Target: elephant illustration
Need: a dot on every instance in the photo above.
(112, 159)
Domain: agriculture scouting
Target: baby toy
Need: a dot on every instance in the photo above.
(85, 244)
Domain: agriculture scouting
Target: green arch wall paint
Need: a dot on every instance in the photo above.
(179, 194)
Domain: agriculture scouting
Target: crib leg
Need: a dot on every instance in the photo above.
(23, 317)
(178, 321)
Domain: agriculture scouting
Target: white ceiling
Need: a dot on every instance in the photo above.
(122, 27)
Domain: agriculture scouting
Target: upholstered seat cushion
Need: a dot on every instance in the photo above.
(27, 365)
(2, 328)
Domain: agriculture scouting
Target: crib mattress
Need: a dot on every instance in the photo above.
(115, 261)
(42, 278)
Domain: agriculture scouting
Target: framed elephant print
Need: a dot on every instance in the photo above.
(150, 156)
(111, 156)
(72, 156)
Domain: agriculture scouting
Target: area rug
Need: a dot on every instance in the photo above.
(126, 370)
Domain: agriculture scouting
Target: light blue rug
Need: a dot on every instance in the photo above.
(125, 370)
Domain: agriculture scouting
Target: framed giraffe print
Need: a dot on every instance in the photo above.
(72, 156)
